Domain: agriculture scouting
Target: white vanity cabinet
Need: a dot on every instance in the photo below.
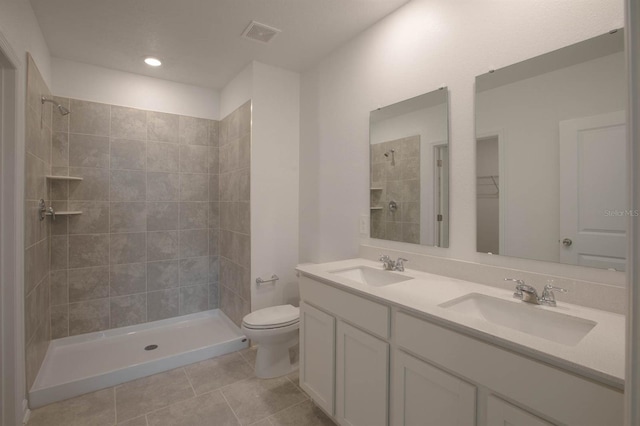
(422, 391)
(317, 356)
(537, 388)
(362, 378)
(369, 364)
(358, 364)
(500, 413)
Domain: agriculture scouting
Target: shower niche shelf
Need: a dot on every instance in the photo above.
(52, 177)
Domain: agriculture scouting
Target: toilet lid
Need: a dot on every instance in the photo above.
(274, 316)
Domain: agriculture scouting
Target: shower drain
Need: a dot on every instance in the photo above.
(150, 347)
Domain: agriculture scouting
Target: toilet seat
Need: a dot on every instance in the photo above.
(272, 317)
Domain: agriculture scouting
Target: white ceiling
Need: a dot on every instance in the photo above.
(199, 41)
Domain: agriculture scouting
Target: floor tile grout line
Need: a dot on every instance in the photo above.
(288, 407)
(297, 385)
(177, 402)
(244, 358)
(184, 370)
(221, 388)
(115, 406)
(230, 407)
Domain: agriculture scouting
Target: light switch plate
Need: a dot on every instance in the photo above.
(364, 224)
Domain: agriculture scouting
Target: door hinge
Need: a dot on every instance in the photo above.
(439, 218)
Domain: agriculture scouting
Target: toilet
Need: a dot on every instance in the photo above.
(275, 330)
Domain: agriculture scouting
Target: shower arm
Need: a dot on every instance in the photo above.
(62, 110)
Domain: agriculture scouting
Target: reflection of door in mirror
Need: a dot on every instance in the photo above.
(488, 194)
(441, 168)
(561, 163)
(593, 191)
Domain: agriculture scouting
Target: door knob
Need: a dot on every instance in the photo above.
(567, 242)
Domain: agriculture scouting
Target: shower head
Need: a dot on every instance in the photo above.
(62, 110)
(391, 153)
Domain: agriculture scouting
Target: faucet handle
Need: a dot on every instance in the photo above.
(400, 264)
(384, 258)
(551, 287)
(548, 298)
(519, 284)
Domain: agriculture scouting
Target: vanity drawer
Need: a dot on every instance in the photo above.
(542, 389)
(367, 315)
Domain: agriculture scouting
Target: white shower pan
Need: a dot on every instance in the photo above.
(89, 362)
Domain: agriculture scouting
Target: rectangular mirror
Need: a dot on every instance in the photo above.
(550, 156)
(409, 157)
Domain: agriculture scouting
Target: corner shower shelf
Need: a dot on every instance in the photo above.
(50, 177)
(376, 189)
(376, 208)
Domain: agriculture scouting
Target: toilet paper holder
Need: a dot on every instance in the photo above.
(273, 279)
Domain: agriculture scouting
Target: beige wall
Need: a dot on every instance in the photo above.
(145, 247)
(37, 232)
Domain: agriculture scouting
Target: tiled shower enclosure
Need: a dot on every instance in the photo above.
(396, 177)
(165, 223)
(147, 244)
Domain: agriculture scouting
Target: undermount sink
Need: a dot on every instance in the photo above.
(371, 276)
(523, 317)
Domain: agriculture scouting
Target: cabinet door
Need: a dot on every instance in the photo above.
(501, 413)
(424, 395)
(362, 376)
(317, 355)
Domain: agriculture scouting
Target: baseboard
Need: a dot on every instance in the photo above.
(26, 412)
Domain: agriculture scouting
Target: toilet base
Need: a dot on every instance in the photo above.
(273, 360)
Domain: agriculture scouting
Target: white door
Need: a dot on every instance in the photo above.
(593, 191)
(442, 195)
(362, 378)
(317, 355)
(501, 413)
(424, 395)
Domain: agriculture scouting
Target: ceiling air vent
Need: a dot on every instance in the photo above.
(260, 32)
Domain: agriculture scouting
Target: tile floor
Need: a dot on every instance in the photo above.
(221, 391)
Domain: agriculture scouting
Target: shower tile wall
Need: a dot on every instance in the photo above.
(235, 213)
(145, 247)
(397, 181)
(37, 233)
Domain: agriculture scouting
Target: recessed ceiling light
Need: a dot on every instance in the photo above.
(153, 62)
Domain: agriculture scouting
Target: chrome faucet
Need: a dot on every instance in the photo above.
(400, 264)
(387, 263)
(392, 265)
(529, 294)
(548, 298)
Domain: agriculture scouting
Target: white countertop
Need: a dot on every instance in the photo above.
(598, 356)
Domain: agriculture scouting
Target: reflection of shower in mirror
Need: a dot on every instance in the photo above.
(392, 153)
